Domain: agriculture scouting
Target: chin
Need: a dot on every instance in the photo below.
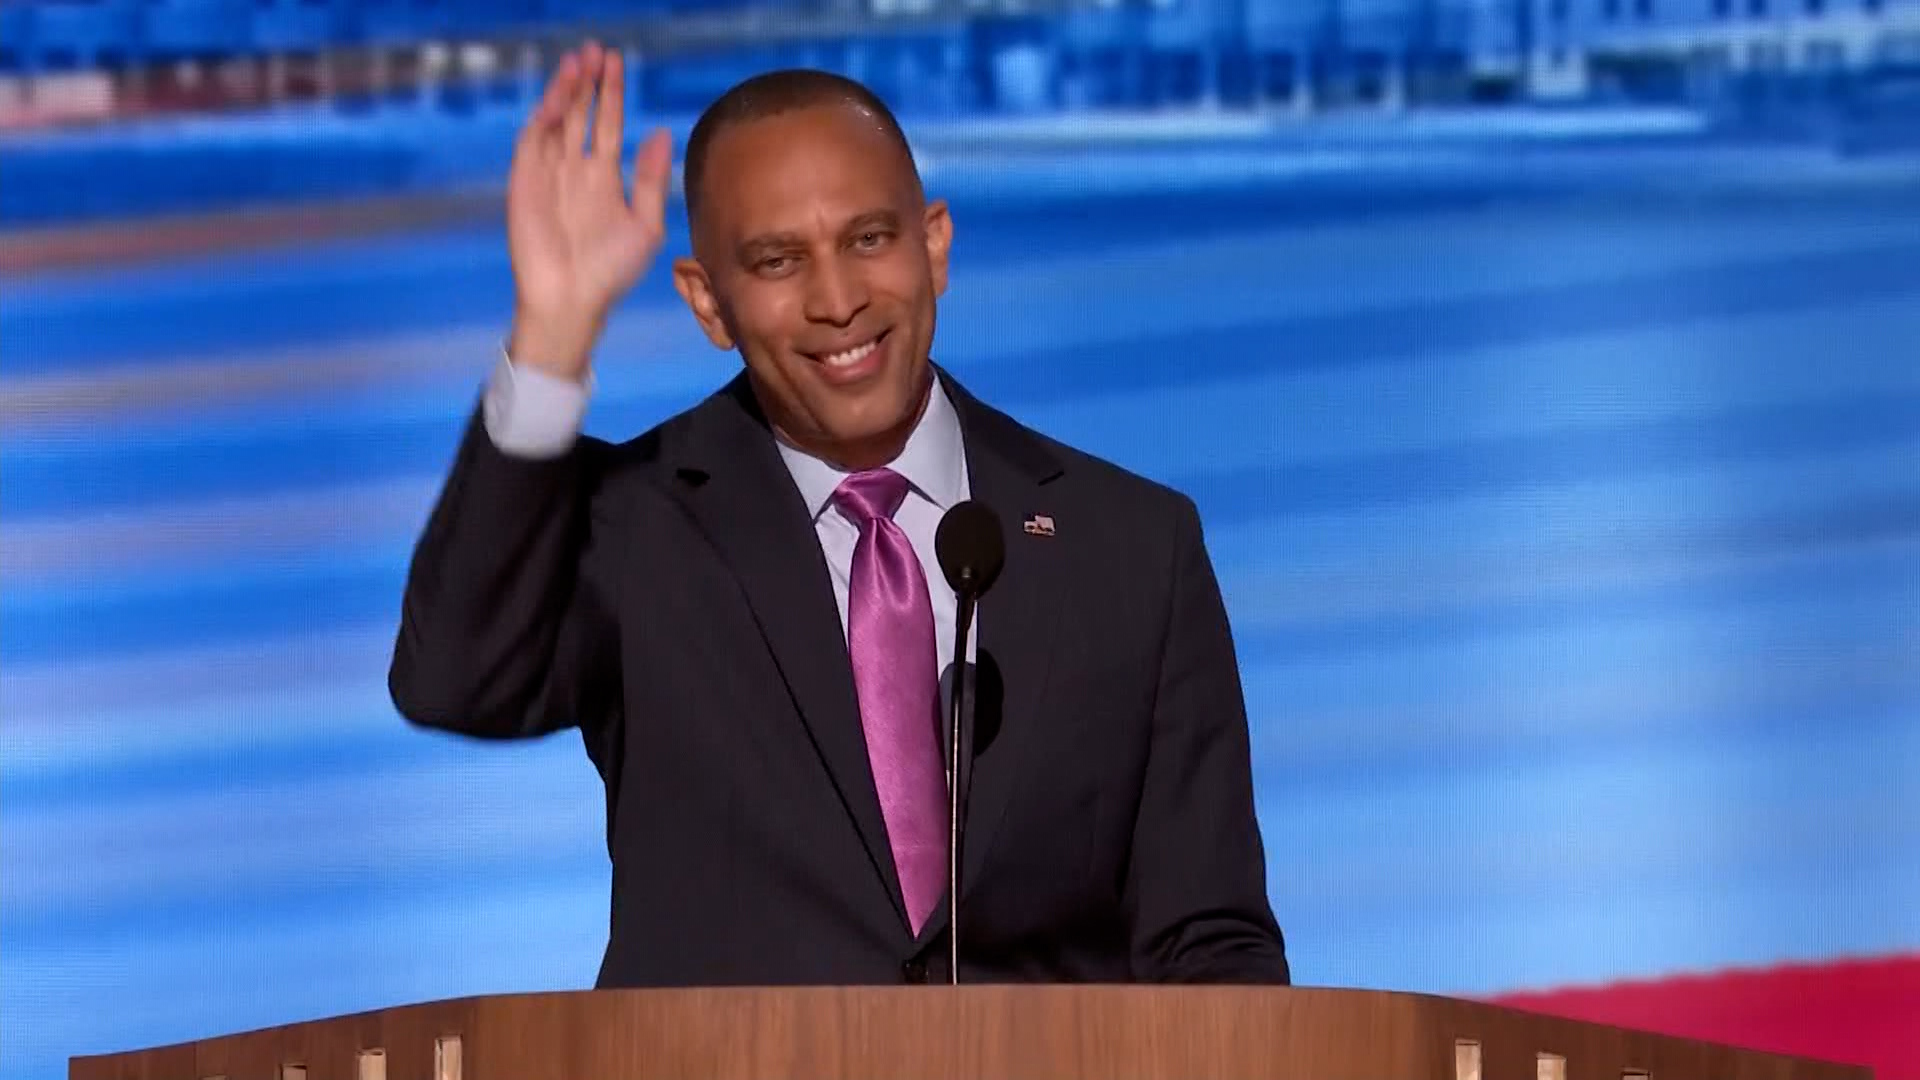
(871, 420)
(868, 422)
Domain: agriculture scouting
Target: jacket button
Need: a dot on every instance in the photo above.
(913, 971)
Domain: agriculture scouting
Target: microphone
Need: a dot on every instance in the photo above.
(971, 550)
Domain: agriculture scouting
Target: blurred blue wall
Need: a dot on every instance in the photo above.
(1544, 372)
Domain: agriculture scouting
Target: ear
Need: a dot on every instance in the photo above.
(937, 224)
(690, 279)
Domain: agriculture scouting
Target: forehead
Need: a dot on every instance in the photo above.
(804, 169)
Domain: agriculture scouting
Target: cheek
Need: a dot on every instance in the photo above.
(936, 273)
(764, 320)
(907, 285)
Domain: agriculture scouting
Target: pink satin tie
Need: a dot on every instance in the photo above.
(895, 673)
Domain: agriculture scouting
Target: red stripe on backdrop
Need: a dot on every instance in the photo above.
(1863, 1012)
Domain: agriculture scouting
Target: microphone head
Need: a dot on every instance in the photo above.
(970, 547)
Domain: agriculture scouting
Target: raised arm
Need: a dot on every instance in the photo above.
(502, 634)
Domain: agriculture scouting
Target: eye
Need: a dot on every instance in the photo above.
(773, 264)
(871, 239)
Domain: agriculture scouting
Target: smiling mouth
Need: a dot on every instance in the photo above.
(847, 358)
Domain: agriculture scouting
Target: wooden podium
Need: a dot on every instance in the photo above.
(952, 1033)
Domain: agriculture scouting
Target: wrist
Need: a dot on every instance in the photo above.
(560, 345)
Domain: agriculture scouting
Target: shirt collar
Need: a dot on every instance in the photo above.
(933, 461)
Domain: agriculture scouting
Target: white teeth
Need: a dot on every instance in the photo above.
(851, 356)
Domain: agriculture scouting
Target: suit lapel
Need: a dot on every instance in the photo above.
(1007, 470)
(733, 483)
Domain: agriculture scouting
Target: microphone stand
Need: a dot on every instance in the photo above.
(966, 605)
(971, 552)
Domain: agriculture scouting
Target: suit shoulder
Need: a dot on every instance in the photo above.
(645, 451)
(629, 473)
(1118, 489)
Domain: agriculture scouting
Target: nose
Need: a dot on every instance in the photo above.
(836, 292)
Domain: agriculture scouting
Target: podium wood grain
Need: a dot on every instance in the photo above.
(963, 1033)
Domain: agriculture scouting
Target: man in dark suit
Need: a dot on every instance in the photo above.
(742, 612)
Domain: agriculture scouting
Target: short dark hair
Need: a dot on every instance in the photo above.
(771, 94)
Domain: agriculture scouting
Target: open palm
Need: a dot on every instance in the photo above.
(578, 241)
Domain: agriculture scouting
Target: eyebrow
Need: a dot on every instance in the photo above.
(769, 243)
(750, 251)
(874, 218)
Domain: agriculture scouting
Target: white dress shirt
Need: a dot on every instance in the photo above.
(529, 413)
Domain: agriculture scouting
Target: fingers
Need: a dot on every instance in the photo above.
(541, 135)
(560, 122)
(575, 130)
(560, 91)
(609, 116)
(652, 170)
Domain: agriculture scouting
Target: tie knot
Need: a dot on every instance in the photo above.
(866, 496)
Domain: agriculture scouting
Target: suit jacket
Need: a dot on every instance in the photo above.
(668, 597)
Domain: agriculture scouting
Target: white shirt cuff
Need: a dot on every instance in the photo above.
(532, 414)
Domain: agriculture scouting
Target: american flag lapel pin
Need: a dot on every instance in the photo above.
(1039, 525)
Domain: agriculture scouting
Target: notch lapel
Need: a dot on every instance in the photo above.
(1007, 470)
(737, 490)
